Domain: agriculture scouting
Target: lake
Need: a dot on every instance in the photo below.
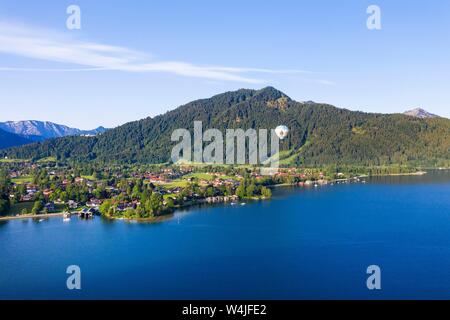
(304, 244)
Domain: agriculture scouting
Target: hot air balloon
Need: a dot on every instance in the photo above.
(282, 132)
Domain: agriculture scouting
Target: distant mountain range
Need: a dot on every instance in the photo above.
(17, 133)
(320, 134)
(420, 113)
(42, 130)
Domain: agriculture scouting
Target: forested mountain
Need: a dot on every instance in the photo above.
(320, 134)
(8, 139)
(42, 130)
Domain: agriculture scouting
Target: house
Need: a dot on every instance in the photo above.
(156, 178)
(26, 198)
(72, 204)
(218, 183)
(87, 213)
(31, 189)
(14, 175)
(50, 207)
(121, 207)
(176, 190)
(47, 193)
(79, 180)
(112, 189)
(94, 203)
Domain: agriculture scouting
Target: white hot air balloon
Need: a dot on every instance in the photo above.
(282, 132)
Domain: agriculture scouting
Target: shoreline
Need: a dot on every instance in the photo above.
(168, 216)
(31, 216)
(418, 173)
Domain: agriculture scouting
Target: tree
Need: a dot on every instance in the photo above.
(37, 207)
(210, 192)
(4, 182)
(266, 192)
(136, 192)
(170, 203)
(64, 196)
(156, 201)
(240, 191)
(250, 190)
(105, 208)
(4, 206)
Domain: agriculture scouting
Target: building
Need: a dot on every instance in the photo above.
(50, 207)
(72, 204)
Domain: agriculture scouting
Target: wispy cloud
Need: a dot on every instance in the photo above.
(47, 45)
(325, 82)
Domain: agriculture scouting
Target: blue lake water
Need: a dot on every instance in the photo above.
(303, 244)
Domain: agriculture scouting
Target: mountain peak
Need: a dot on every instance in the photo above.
(420, 113)
(272, 93)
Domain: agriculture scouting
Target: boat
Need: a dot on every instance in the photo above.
(243, 204)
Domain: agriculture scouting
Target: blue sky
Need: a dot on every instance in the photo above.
(135, 59)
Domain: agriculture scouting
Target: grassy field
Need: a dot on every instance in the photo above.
(22, 180)
(46, 160)
(288, 158)
(13, 160)
(176, 184)
(200, 176)
(170, 195)
(43, 160)
(208, 177)
(18, 207)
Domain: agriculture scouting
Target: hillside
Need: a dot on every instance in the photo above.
(8, 139)
(320, 134)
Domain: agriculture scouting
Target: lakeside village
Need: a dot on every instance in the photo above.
(48, 188)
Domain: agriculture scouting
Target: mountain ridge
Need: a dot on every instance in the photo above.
(41, 130)
(320, 134)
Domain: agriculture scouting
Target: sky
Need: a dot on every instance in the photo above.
(133, 59)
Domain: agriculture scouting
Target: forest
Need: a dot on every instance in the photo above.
(320, 134)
